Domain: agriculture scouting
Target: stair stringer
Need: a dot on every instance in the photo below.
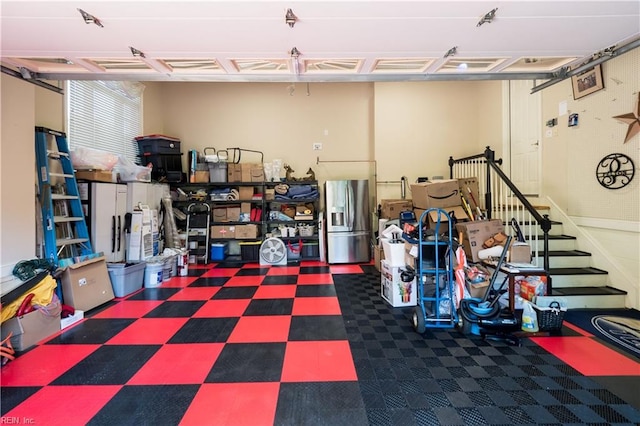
(600, 258)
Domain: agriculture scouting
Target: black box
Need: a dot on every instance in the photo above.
(148, 146)
(310, 250)
(250, 251)
(167, 167)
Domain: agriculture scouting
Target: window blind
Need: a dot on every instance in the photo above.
(104, 115)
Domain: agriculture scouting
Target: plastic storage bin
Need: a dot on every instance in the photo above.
(250, 250)
(158, 146)
(126, 277)
(219, 251)
(218, 172)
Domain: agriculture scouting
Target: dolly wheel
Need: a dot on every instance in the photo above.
(419, 320)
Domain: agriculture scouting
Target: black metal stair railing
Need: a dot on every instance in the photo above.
(503, 200)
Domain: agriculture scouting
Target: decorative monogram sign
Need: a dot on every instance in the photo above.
(615, 171)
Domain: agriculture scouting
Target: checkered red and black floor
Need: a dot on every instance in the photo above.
(310, 344)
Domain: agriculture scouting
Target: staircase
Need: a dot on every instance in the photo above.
(573, 277)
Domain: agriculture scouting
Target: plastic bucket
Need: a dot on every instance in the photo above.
(183, 263)
(166, 268)
(153, 274)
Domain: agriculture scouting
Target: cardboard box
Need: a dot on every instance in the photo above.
(246, 192)
(476, 233)
(202, 176)
(234, 172)
(396, 292)
(245, 208)
(391, 208)
(436, 194)
(233, 214)
(473, 198)
(478, 290)
(86, 285)
(223, 231)
(31, 328)
(378, 256)
(269, 194)
(257, 173)
(520, 253)
(97, 175)
(219, 214)
(432, 217)
(249, 231)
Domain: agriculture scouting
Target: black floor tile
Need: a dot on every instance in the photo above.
(235, 293)
(328, 403)
(269, 307)
(164, 405)
(316, 291)
(252, 272)
(154, 294)
(280, 279)
(108, 365)
(248, 362)
(92, 331)
(317, 327)
(315, 270)
(209, 282)
(205, 330)
(178, 309)
(196, 272)
(14, 395)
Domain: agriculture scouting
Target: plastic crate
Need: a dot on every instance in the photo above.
(250, 251)
(126, 277)
(158, 146)
(310, 250)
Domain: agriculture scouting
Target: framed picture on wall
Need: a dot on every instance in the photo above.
(587, 82)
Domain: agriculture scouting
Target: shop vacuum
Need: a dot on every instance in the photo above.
(485, 318)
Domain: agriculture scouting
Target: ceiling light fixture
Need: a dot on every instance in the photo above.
(136, 53)
(290, 18)
(488, 17)
(90, 19)
(451, 52)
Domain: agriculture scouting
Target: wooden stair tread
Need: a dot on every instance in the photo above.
(576, 271)
(557, 253)
(587, 291)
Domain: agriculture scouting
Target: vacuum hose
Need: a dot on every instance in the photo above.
(468, 312)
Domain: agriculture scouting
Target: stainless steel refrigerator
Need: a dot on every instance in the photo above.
(348, 221)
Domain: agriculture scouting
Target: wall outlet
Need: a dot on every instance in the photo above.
(317, 146)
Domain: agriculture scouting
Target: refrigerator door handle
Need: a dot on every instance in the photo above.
(350, 207)
(113, 234)
(119, 231)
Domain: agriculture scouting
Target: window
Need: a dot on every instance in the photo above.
(105, 115)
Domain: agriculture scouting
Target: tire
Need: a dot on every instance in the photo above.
(418, 320)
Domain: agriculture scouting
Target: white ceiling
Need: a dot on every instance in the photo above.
(248, 40)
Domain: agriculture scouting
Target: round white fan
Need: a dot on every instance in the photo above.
(273, 251)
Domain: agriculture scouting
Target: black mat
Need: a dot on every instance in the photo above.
(617, 327)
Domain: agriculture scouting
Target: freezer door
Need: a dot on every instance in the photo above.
(348, 247)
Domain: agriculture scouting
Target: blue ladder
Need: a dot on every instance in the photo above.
(66, 236)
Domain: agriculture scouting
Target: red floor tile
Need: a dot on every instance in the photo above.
(43, 364)
(315, 279)
(223, 308)
(316, 306)
(589, 357)
(195, 293)
(62, 405)
(254, 329)
(345, 269)
(178, 364)
(286, 291)
(220, 272)
(178, 282)
(129, 309)
(148, 331)
(312, 263)
(237, 404)
(577, 329)
(284, 270)
(318, 361)
(246, 280)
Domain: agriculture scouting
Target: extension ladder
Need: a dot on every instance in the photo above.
(64, 228)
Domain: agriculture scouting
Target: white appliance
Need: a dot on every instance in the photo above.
(106, 206)
(348, 221)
